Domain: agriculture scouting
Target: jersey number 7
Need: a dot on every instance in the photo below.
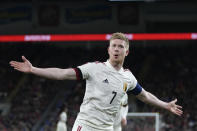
(113, 96)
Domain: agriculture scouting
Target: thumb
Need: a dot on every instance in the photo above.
(175, 100)
(24, 59)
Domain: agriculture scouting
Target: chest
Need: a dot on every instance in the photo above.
(112, 81)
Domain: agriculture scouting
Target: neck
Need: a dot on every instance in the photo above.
(116, 65)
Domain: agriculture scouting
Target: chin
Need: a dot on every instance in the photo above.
(117, 60)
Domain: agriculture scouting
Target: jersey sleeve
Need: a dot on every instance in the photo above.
(135, 87)
(86, 70)
(133, 82)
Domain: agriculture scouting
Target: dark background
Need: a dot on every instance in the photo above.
(165, 68)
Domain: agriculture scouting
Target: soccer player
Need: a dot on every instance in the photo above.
(106, 84)
(121, 118)
(61, 125)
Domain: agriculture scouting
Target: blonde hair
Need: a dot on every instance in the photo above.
(121, 36)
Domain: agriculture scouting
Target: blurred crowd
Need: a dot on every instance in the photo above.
(169, 72)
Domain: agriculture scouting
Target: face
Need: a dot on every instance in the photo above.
(117, 50)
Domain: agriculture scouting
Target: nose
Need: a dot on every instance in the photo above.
(116, 49)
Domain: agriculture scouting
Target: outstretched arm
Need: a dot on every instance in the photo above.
(149, 98)
(51, 73)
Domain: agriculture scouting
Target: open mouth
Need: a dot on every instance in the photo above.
(116, 56)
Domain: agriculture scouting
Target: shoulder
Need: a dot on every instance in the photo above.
(97, 63)
(92, 65)
(129, 74)
(127, 70)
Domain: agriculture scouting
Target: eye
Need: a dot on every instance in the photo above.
(121, 46)
(114, 45)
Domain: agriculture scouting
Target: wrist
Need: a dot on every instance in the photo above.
(32, 70)
(166, 106)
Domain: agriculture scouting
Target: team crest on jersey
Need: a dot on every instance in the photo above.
(125, 86)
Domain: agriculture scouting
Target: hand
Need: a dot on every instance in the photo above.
(124, 122)
(176, 109)
(24, 66)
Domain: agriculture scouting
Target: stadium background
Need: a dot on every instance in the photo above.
(167, 68)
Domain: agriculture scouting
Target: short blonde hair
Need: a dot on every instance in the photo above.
(121, 36)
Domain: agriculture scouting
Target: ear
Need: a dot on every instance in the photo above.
(127, 52)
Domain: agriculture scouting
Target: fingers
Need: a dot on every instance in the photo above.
(23, 58)
(17, 68)
(176, 109)
(180, 107)
(177, 106)
(178, 112)
(15, 63)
